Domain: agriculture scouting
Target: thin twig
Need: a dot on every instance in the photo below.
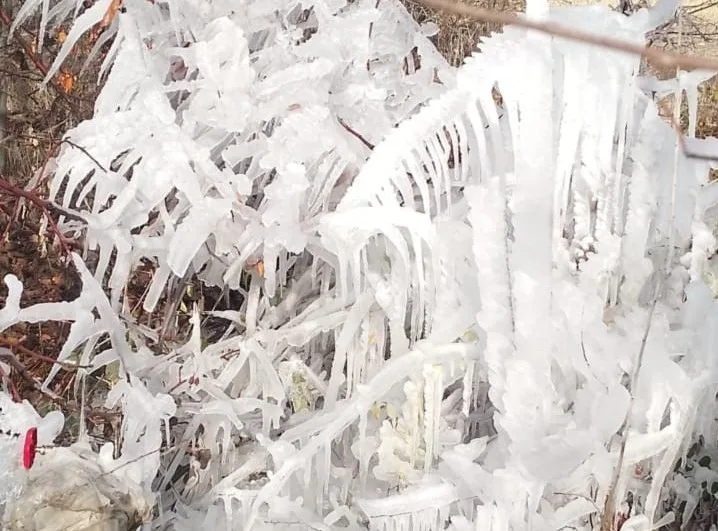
(656, 56)
(355, 134)
(19, 368)
(27, 352)
(77, 146)
(44, 204)
(47, 207)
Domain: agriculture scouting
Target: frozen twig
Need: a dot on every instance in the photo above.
(87, 153)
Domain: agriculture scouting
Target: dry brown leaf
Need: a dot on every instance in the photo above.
(66, 81)
(110, 14)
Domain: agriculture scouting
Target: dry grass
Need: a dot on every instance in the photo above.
(458, 36)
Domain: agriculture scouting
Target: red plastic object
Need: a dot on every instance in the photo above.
(29, 449)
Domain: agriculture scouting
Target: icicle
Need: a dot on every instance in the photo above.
(363, 458)
(569, 137)
(689, 82)
(84, 22)
(346, 351)
(454, 151)
(462, 156)
(433, 392)
(500, 159)
(440, 180)
(537, 9)
(532, 207)
(489, 222)
(421, 294)
(467, 398)
(375, 330)
(481, 158)
(413, 166)
(626, 123)
(421, 508)
(415, 414)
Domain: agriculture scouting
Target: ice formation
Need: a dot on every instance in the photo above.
(446, 276)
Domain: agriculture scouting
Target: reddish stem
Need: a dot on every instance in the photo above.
(5, 19)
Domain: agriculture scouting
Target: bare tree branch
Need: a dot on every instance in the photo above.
(656, 56)
(7, 188)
